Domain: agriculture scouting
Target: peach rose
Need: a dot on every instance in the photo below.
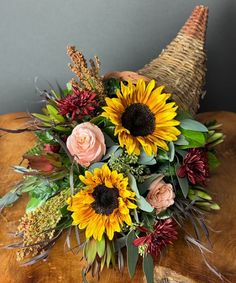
(160, 194)
(86, 143)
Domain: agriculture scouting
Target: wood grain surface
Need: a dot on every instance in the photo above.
(180, 259)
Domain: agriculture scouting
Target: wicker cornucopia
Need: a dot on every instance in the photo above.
(181, 66)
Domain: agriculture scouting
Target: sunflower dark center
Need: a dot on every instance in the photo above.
(106, 199)
(138, 119)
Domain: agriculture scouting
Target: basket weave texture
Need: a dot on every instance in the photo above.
(181, 66)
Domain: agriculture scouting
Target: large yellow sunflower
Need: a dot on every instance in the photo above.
(103, 205)
(142, 117)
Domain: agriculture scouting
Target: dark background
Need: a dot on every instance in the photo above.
(125, 34)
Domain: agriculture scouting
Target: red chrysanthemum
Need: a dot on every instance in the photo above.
(79, 103)
(164, 234)
(195, 166)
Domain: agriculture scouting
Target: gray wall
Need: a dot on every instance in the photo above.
(125, 34)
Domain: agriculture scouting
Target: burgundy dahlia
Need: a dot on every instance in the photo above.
(164, 234)
(79, 103)
(195, 166)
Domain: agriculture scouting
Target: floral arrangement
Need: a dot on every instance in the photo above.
(119, 163)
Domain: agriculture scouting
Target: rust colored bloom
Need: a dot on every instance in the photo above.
(79, 103)
(39, 163)
(195, 166)
(164, 234)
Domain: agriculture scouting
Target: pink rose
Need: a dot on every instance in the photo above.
(160, 194)
(86, 143)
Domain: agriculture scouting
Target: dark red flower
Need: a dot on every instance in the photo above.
(164, 234)
(79, 103)
(51, 148)
(195, 166)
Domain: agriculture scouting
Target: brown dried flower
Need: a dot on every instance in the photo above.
(38, 227)
(89, 78)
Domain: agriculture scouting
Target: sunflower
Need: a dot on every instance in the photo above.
(103, 205)
(142, 117)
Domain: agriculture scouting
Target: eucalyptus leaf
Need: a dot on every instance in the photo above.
(181, 140)
(132, 253)
(133, 185)
(108, 140)
(120, 243)
(96, 165)
(162, 155)
(183, 183)
(146, 159)
(148, 268)
(144, 205)
(143, 187)
(181, 152)
(171, 153)
(110, 151)
(8, 199)
(164, 214)
(189, 124)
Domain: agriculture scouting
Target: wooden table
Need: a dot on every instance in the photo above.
(61, 267)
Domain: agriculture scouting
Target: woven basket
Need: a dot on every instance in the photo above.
(181, 66)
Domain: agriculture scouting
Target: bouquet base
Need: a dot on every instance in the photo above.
(184, 261)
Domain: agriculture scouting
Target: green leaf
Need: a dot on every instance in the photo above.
(53, 112)
(45, 136)
(183, 115)
(189, 124)
(64, 211)
(195, 139)
(34, 203)
(8, 199)
(61, 128)
(164, 214)
(69, 86)
(213, 162)
(120, 243)
(108, 253)
(146, 159)
(162, 155)
(108, 140)
(101, 247)
(181, 140)
(133, 185)
(183, 183)
(171, 153)
(92, 250)
(96, 165)
(84, 276)
(144, 205)
(215, 206)
(132, 253)
(143, 187)
(148, 268)
(110, 151)
(97, 120)
(42, 117)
